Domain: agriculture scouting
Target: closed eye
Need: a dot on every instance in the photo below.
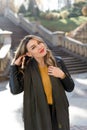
(33, 47)
(39, 43)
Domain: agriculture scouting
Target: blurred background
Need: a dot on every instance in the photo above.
(63, 26)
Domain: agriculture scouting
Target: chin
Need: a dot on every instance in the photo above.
(44, 54)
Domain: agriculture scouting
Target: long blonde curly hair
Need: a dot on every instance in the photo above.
(21, 50)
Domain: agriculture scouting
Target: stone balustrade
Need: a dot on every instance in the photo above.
(75, 46)
(11, 15)
(5, 51)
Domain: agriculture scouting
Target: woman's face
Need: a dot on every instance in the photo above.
(36, 49)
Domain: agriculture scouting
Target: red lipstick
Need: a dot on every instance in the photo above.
(42, 50)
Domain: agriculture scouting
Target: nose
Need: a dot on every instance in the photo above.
(39, 46)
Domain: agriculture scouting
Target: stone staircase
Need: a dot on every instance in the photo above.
(74, 63)
(18, 32)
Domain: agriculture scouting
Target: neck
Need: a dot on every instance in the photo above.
(41, 62)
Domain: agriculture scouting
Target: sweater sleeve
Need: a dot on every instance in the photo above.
(67, 82)
(16, 81)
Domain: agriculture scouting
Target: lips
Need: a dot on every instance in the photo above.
(42, 50)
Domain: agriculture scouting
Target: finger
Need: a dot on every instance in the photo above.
(50, 67)
(23, 61)
(50, 70)
(50, 73)
(20, 58)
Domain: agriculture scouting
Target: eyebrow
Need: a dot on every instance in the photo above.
(34, 45)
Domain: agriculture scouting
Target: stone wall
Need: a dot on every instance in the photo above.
(80, 33)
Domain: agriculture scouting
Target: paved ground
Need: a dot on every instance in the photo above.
(11, 106)
(78, 103)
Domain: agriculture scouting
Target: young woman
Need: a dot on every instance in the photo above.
(44, 80)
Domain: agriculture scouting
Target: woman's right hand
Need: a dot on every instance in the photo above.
(20, 60)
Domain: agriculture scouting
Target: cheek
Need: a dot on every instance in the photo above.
(45, 50)
(34, 53)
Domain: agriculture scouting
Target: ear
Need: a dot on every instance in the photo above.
(28, 54)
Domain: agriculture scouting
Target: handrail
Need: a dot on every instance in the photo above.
(4, 57)
(75, 46)
(4, 50)
(73, 41)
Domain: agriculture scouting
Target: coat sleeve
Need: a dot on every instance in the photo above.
(16, 81)
(67, 82)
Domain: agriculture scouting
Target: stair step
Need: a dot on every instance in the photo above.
(76, 67)
(77, 71)
(76, 64)
(72, 60)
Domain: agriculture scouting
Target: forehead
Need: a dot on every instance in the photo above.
(31, 42)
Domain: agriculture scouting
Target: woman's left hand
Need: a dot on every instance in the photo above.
(56, 72)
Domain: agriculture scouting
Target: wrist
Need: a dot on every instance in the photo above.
(14, 64)
(63, 76)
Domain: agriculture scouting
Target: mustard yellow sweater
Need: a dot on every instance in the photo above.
(46, 83)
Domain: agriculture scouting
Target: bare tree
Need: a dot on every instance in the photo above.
(64, 3)
(68, 3)
(33, 7)
(60, 3)
(40, 4)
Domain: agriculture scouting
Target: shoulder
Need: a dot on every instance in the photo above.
(60, 62)
(58, 59)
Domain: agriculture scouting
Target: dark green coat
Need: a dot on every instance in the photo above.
(36, 110)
